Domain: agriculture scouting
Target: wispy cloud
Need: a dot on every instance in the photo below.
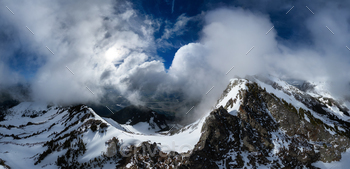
(172, 6)
(176, 29)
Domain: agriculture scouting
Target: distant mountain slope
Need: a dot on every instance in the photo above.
(132, 115)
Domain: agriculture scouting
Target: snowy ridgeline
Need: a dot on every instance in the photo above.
(24, 136)
(36, 135)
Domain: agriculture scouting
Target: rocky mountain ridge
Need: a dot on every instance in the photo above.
(255, 129)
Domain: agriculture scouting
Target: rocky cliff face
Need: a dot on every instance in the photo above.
(266, 130)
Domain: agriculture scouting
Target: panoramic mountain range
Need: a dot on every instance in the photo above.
(174, 84)
(258, 122)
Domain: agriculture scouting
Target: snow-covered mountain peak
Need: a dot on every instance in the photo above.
(232, 95)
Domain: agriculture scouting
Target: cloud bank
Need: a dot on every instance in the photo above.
(110, 45)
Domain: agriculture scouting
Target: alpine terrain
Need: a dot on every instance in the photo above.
(258, 122)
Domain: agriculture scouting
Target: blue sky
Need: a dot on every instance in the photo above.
(167, 11)
(289, 27)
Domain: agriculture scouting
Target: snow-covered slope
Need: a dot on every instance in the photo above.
(28, 127)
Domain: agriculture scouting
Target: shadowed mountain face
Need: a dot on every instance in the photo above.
(6, 101)
(132, 115)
